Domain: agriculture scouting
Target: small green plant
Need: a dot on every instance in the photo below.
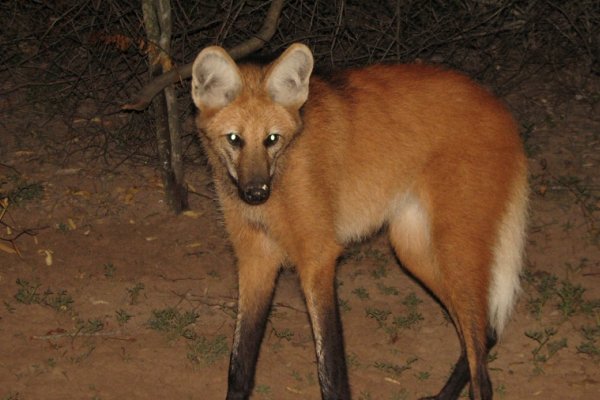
(90, 326)
(408, 321)
(109, 270)
(135, 292)
(380, 271)
(401, 395)
(361, 293)
(122, 317)
(9, 307)
(403, 321)
(591, 332)
(591, 307)
(284, 334)
(377, 255)
(551, 347)
(61, 301)
(309, 379)
(263, 389)
(344, 305)
(352, 361)
(411, 301)
(571, 298)
(423, 375)
(545, 285)
(413, 317)
(589, 346)
(90, 347)
(173, 322)
(500, 390)
(296, 375)
(565, 295)
(377, 314)
(352, 253)
(387, 290)
(204, 351)
(395, 369)
(29, 293)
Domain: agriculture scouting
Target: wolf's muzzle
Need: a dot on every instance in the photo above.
(255, 193)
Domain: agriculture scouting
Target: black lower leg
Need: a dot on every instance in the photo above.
(461, 374)
(333, 375)
(242, 365)
(483, 381)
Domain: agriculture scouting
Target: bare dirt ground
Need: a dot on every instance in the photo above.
(110, 296)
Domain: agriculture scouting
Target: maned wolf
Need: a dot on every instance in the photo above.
(304, 165)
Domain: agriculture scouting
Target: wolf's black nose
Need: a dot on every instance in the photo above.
(255, 193)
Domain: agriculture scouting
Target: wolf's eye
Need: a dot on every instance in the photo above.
(235, 140)
(271, 139)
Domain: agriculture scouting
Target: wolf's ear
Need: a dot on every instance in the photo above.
(216, 80)
(287, 80)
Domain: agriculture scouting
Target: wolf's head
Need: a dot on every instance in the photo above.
(249, 113)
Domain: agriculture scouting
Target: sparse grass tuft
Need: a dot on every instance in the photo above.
(395, 369)
(401, 395)
(590, 345)
(135, 292)
(29, 293)
(352, 360)
(90, 326)
(378, 315)
(283, 334)
(263, 389)
(387, 290)
(173, 323)
(206, 352)
(408, 321)
(109, 270)
(411, 301)
(380, 271)
(423, 375)
(571, 298)
(361, 293)
(546, 348)
(61, 301)
(344, 305)
(122, 317)
(565, 295)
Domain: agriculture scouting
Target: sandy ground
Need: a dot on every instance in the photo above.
(112, 297)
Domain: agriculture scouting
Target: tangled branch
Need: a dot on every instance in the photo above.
(265, 34)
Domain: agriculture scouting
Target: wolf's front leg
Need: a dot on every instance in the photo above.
(318, 284)
(258, 265)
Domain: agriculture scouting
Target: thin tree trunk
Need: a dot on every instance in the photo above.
(157, 21)
(254, 43)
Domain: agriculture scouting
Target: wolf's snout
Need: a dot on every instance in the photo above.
(255, 193)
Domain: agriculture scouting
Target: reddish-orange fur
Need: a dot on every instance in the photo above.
(422, 150)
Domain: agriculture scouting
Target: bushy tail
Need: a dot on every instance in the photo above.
(508, 258)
